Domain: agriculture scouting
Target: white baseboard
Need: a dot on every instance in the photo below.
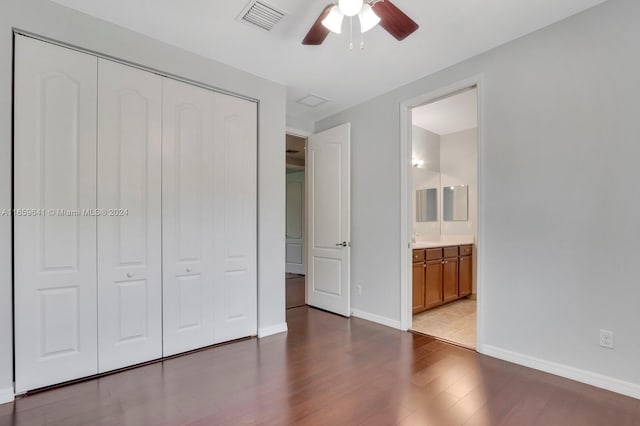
(273, 329)
(6, 395)
(584, 376)
(376, 318)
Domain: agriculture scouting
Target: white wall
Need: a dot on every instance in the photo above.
(459, 166)
(559, 193)
(425, 146)
(62, 24)
(299, 124)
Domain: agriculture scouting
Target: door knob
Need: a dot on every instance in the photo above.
(342, 244)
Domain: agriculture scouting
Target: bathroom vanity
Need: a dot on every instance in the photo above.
(441, 274)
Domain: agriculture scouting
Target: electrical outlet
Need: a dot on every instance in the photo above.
(606, 339)
(359, 287)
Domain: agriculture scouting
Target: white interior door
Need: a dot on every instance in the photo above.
(55, 248)
(295, 255)
(188, 194)
(328, 186)
(235, 220)
(129, 228)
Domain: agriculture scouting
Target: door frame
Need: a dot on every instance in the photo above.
(406, 217)
(305, 135)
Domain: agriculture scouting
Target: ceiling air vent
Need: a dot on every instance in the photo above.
(312, 101)
(261, 15)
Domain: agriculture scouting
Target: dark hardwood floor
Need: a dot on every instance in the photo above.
(295, 291)
(327, 370)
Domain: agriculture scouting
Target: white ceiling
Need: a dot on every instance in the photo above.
(450, 31)
(449, 115)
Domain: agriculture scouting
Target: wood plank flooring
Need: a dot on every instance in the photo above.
(295, 291)
(327, 370)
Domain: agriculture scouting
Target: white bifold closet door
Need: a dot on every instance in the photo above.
(235, 221)
(129, 225)
(135, 234)
(209, 217)
(55, 248)
(187, 210)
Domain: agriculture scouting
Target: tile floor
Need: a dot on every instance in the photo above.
(455, 322)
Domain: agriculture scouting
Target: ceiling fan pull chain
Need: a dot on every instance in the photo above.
(351, 33)
(362, 41)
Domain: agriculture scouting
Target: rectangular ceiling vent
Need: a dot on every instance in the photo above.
(261, 15)
(312, 101)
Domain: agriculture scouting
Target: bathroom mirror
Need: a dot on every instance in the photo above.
(427, 205)
(455, 205)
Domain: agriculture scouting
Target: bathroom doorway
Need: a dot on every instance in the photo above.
(443, 200)
(295, 267)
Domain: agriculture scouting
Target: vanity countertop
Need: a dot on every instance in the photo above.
(444, 242)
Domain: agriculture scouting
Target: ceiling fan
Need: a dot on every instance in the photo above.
(370, 13)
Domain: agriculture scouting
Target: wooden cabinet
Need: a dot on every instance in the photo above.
(441, 275)
(418, 287)
(433, 284)
(449, 279)
(465, 274)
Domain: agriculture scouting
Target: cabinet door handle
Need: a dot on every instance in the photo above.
(129, 274)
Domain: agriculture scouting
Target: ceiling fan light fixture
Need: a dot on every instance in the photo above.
(350, 7)
(333, 21)
(368, 18)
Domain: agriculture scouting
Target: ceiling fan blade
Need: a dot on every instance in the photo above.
(318, 32)
(395, 21)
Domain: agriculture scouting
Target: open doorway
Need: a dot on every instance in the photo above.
(295, 268)
(318, 219)
(444, 227)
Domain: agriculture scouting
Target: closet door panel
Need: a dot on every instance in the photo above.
(129, 225)
(55, 245)
(235, 168)
(188, 225)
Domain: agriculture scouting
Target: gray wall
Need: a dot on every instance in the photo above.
(559, 198)
(59, 23)
(426, 146)
(459, 166)
(300, 124)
